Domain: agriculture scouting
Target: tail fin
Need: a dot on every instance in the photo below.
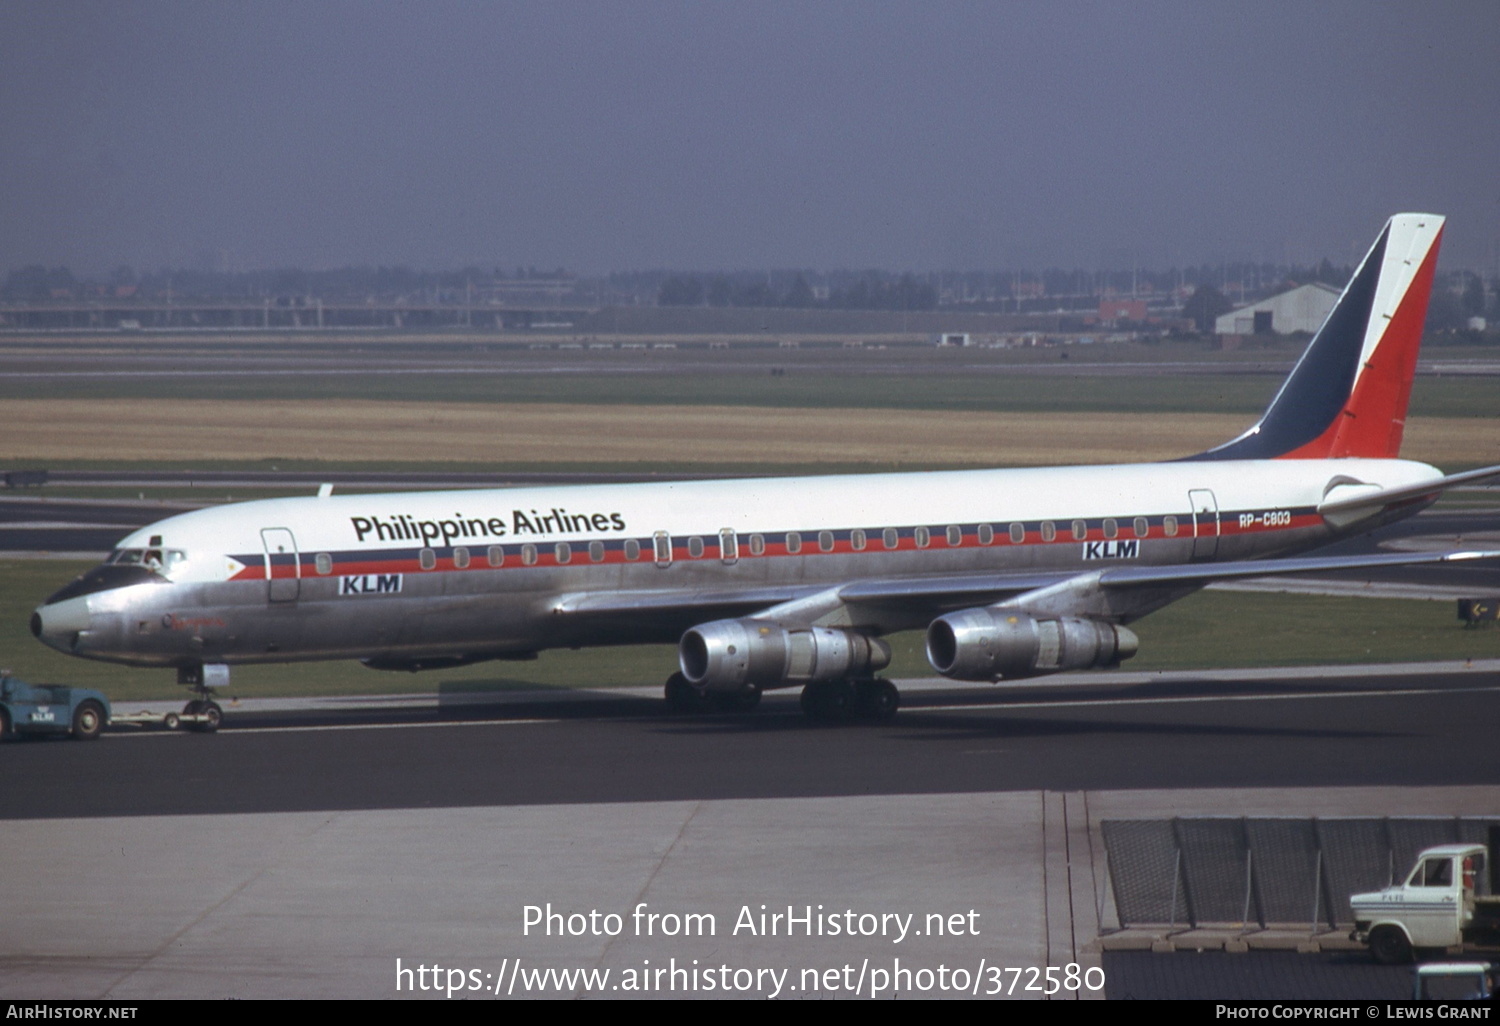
(1347, 396)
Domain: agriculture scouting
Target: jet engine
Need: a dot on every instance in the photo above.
(991, 644)
(728, 655)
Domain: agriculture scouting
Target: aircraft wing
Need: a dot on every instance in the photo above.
(896, 603)
(979, 587)
(711, 602)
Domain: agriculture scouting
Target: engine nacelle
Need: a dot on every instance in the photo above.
(728, 655)
(995, 644)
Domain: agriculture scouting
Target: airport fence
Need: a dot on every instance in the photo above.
(1239, 871)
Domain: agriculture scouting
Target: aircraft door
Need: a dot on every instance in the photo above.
(1205, 523)
(283, 566)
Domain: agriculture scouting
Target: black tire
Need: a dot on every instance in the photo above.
(4, 725)
(1389, 946)
(830, 701)
(213, 717)
(171, 721)
(681, 696)
(735, 701)
(878, 699)
(88, 721)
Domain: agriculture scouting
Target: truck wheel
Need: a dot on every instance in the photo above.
(88, 721)
(1390, 946)
(170, 721)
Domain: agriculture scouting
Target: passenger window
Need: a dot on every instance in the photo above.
(1111, 529)
(1080, 530)
(324, 562)
(1049, 530)
(632, 549)
(857, 540)
(528, 554)
(1169, 526)
(757, 545)
(695, 547)
(563, 551)
(497, 555)
(986, 534)
(1017, 533)
(596, 551)
(793, 542)
(1142, 527)
(428, 559)
(955, 537)
(891, 537)
(923, 537)
(460, 557)
(825, 541)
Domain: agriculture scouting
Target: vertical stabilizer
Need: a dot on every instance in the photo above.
(1348, 394)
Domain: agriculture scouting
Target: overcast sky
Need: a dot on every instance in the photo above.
(630, 135)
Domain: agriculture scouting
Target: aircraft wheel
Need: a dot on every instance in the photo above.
(1390, 946)
(831, 701)
(88, 721)
(213, 716)
(735, 701)
(681, 696)
(878, 699)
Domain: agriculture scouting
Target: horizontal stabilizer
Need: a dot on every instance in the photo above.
(1350, 497)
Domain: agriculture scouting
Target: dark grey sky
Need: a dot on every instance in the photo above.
(624, 135)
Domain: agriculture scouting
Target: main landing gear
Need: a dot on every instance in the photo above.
(827, 701)
(839, 701)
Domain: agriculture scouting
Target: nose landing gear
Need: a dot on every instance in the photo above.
(202, 713)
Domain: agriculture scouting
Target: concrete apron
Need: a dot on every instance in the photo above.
(989, 887)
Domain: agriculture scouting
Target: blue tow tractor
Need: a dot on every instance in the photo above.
(35, 709)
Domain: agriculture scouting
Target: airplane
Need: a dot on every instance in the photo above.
(794, 582)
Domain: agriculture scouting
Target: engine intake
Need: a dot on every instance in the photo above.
(727, 655)
(994, 644)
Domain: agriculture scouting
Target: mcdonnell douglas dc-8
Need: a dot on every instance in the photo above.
(794, 582)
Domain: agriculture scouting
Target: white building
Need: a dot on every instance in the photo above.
(1302, 309)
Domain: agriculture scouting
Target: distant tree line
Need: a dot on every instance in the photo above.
(871, 291)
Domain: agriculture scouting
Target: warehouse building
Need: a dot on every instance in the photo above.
(1302, 309)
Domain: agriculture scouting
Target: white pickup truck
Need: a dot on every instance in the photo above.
(1444, 903)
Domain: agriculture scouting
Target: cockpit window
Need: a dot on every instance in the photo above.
(158, 560)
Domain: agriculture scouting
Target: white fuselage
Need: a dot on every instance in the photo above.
(483, 573)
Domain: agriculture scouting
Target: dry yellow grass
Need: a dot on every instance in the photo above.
(364, 431)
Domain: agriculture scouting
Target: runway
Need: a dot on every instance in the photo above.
(1237, 731)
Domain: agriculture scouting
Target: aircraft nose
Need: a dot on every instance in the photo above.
(59, 623)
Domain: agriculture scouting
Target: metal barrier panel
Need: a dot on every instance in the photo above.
(1409, 835)
(1144, 872)
(1189, 871)
(1215, 870)
(1289, 871)
(1356, 857)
